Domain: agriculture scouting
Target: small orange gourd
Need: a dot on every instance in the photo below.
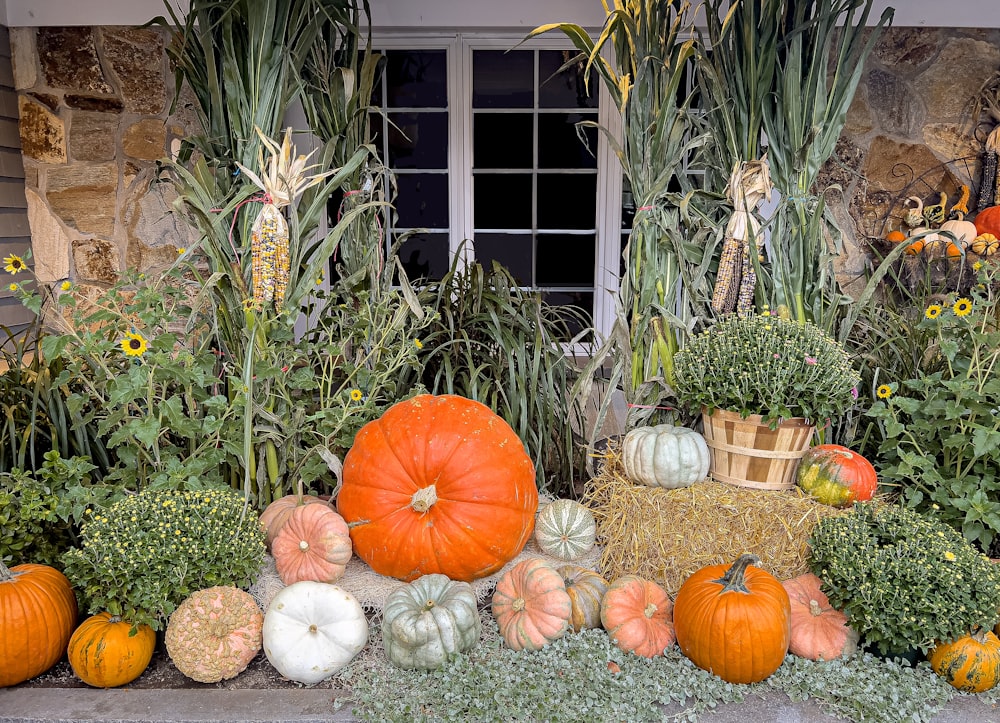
(531, 605)
(638, 615)
(818, 631)
(104, 655)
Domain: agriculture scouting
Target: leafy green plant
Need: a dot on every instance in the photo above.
(905, 581)
(939, 430)
(763, 364)
(143, 555)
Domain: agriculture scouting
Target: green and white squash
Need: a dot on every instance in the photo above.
(565, 530)
(665, 456)
(586, 591)
(428, 620)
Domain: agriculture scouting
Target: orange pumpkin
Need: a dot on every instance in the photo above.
(37, 617)
(314, 544)
(104, 655)
(895, 236)
(988, 221)
(836, 476)
(818, 631)
(637, 615)
(970, 664)
(531, 605)
(438, 484)
(274, 516)
(586, 591)
(734, 621)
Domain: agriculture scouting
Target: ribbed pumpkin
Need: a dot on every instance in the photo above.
(428, 620)
(531, 605)
(104, 655)
(637, 613)
(734, 621)
(586, 591)
(438, 484)
(215, 633)
(314, 544)
(970, 664)
(565, 529)
(818, 631)
(985, 244)
(274, 516)
(988, 221)
(37, 617)
(665, 456)
(834, 475)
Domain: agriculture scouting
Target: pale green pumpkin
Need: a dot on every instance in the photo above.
(428, 620)
(665, 456)
(565, 529)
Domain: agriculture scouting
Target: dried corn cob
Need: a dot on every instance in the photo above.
(269, 233)
(748, 283)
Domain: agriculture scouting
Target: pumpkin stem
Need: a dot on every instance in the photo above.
(303, 545)
(518, 605)
(424, 498)
(814, 609)
(733, 580)
(650, 610)
(5, 574)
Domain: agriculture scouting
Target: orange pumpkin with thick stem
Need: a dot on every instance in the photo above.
(314, 544)
(37, 617)
(637, 615)
(104, 655)
(734, 620)
(438, 484)
(818, 631)
(531, 605)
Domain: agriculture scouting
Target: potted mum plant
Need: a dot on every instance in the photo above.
(762, 384)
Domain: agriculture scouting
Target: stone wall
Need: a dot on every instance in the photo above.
(94, 106)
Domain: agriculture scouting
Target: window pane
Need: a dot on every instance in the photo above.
(510, 250)
(502, 140)
(558, 144)
(422, 200)
(416, 78)
(567, 200)
(503, 80)
(567, 89)
(581, 302)
(424, 256)
(502, 200)
(565, 260)
(418, 140)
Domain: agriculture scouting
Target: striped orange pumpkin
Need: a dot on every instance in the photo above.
(970, 664)
(104, 655)
(531, 605)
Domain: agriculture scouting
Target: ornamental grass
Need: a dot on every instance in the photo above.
(666, 535)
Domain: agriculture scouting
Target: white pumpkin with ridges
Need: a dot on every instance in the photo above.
(665, 456)
(565, 529)
(312, 630)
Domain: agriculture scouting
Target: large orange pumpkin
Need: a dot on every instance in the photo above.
(438, 484)
(104, 655)
(637, 615)
(988, 221)
(734, 621)
(37, 617)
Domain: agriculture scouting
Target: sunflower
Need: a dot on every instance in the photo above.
(14, 264)
(12, 287)
(356, 395)
(66, 285)
(962, 307)
(884, 391)
(134, 344)
(933, 311)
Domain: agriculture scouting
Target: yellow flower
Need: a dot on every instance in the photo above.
(356, 395)
(66, 285)
(14, 264)
(417, 343)
(884, 391)
(12, 287)
(977, 266)
(933, 311)
(181, 250)
(134, 345)
(949, 556)
(962, 307)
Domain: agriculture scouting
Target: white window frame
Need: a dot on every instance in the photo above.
(459, 47)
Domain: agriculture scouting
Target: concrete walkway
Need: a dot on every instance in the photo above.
(50, 705)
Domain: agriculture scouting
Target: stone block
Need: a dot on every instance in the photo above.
(24, 57)
(952, 82)
(136, 57)
(145, 140)
(92, 136)
(96, 260)
(68, 56)
(891, 103)
(102, 104)
(43, 134)
(906, 49)
(84, 196)
(50, 244)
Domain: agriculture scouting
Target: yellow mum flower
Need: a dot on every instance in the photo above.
(134, 345)
(181, 250)
(356, 395)
(884, 391)
(949, 556)
(962, 307)
(417, 343)
(66, 285)
(14, 264)
(933, 311)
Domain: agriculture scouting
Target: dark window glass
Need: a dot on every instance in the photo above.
(503, 79)
(422, 200)
(559, 146)
(565, 260)
(565, 89)
(512, 251)
(425, 256)
(580, 302)
(502, 200)
(502, 140)
(418, 140)
(567, 200)
(416, 79)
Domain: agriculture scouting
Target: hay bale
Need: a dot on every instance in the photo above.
(666, 535)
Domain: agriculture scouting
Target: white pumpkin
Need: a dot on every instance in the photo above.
(665, 456)
(565, 529)
(312, 630)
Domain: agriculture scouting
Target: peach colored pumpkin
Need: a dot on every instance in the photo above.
(818, 631)
(215, 633)
(314, 544)
(531, 605)
(275, 515)
(638, 615)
